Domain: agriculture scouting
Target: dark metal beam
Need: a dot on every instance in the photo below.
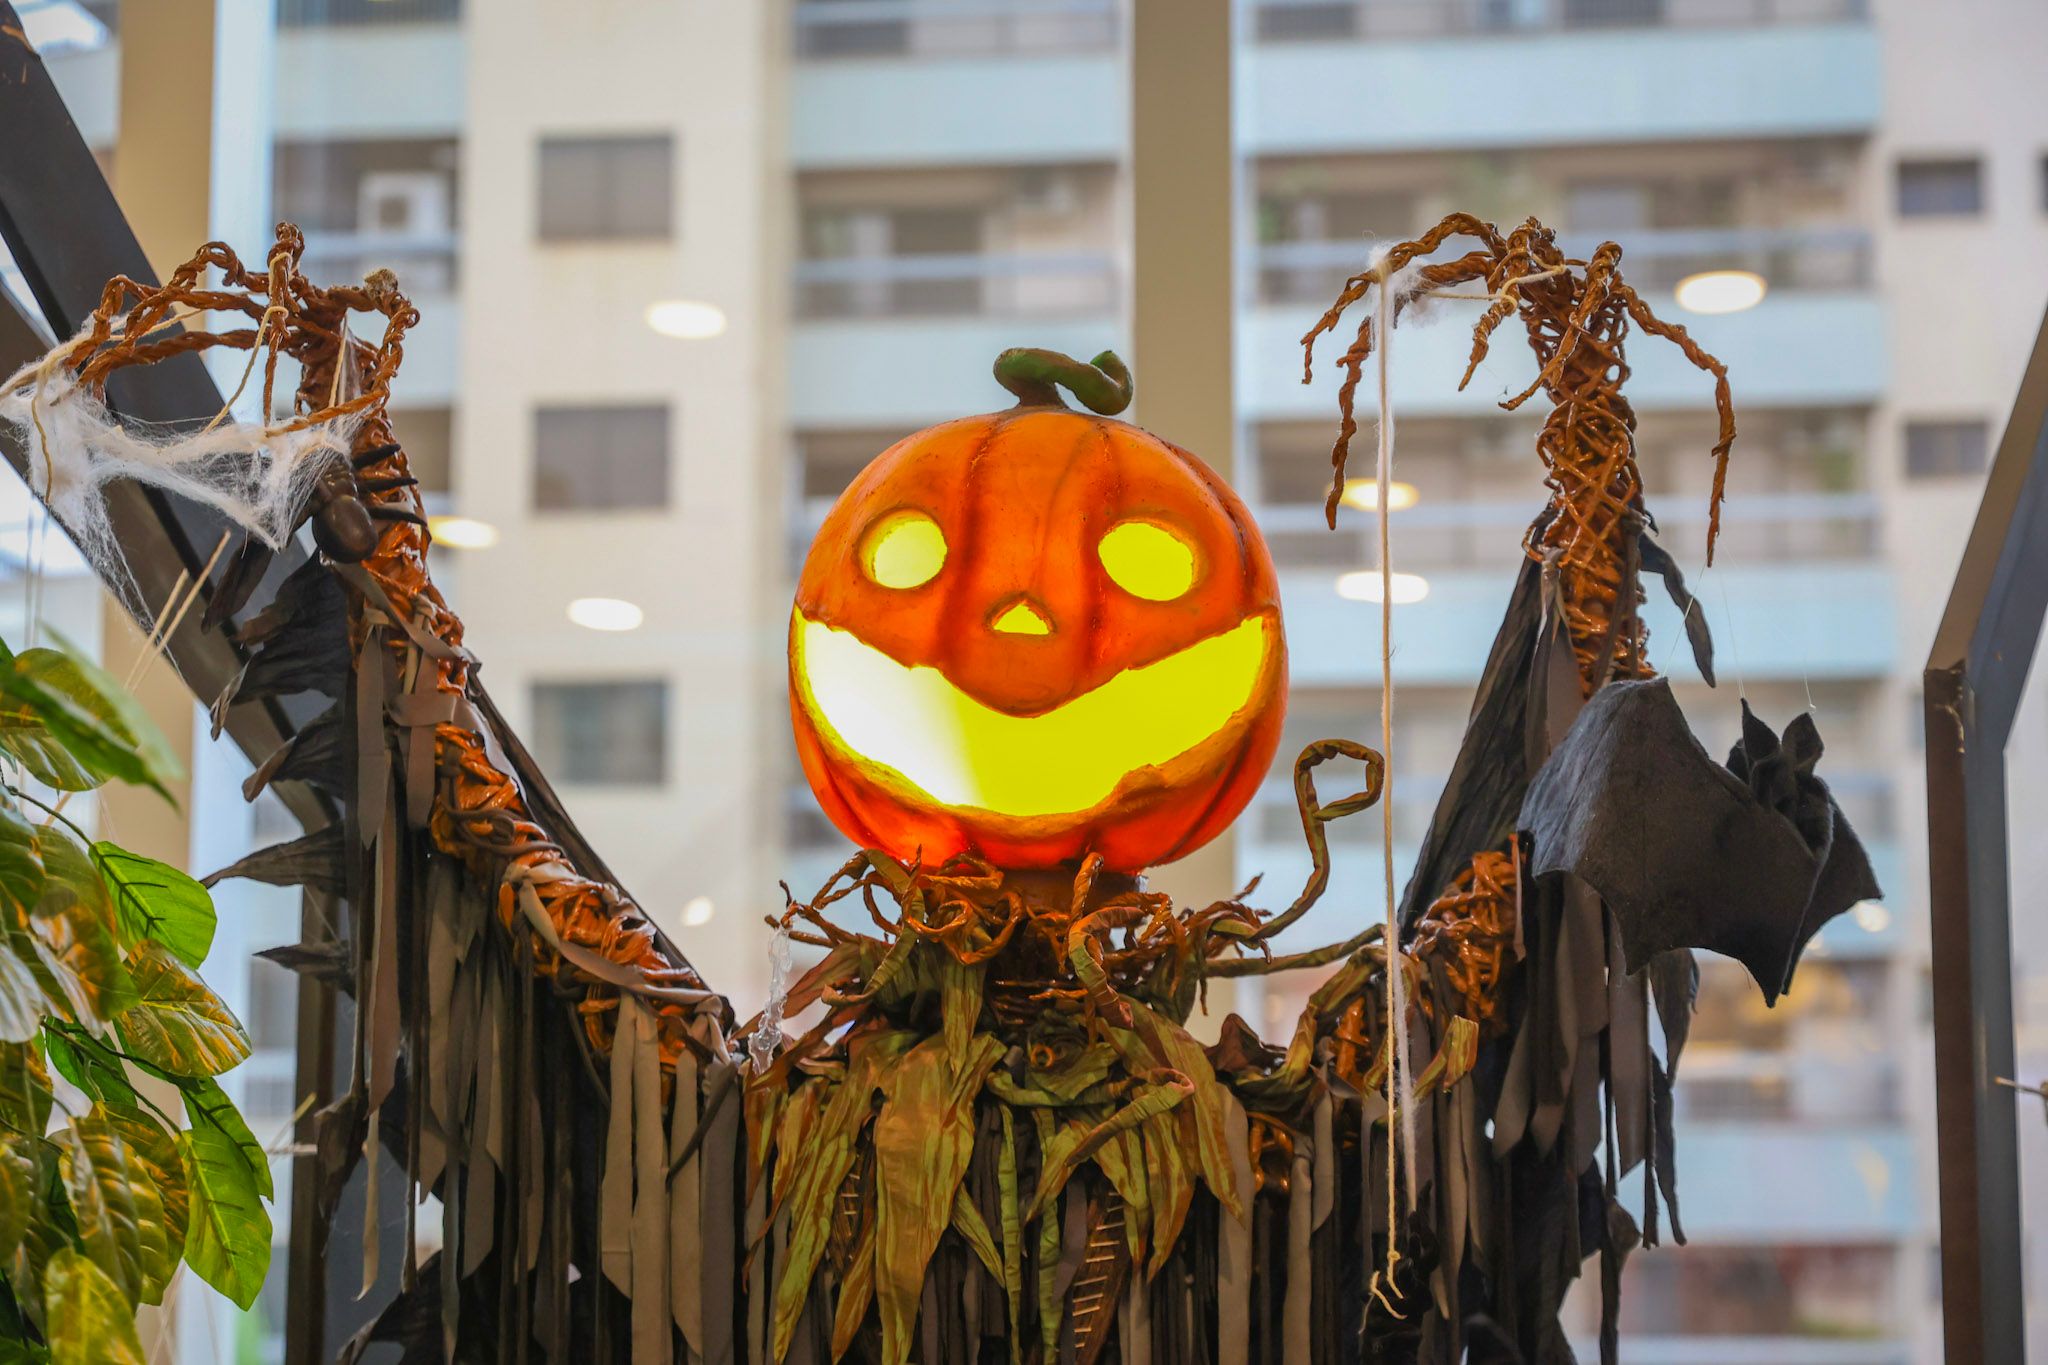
(68, 236)
(1975, 678)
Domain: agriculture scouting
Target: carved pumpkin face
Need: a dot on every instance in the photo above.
(1036, 634)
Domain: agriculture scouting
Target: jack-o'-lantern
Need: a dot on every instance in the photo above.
(1037, 634)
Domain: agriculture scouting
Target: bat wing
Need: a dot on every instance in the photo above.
(1748, 860)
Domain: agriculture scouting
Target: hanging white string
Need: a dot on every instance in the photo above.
(1398, 1108)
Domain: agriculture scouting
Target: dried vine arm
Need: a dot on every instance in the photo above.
(1576, 315)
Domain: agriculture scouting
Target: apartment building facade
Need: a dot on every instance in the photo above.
(686, 267)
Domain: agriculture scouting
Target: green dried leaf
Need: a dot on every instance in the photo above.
(1013, 1233)
(90, 1321)
(1173, 1046)
(960, 1003)
(1167, 1139)
(153, 1153)
(1122, 1159)
(973, 1230)
(1048, 1253)
(177, 1023)
(24, 1088)
(924, 1137)
(155, 901)
(856, 1291)
(1077, 1142)
(113, 1209)
(816, 1169)
(228, 1239)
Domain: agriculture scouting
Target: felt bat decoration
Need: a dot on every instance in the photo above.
(1748, 859)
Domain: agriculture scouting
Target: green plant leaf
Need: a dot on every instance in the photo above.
(88, 1065)
(228, 1242)
(90, 1322)
(18, 1188)
(21, 866)
(51, 1228)
(156, 901)
(65, 731)
(110, 1204)
(177, 1023)
(72, 930)
(21, 1000)
(24, 1088)
(206, 1103)
(150, 742)
(155, 1157)
(18, 1344)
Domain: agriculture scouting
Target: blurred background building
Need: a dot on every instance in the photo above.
(685, 267)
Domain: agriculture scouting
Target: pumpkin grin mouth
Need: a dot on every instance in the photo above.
(959, 752)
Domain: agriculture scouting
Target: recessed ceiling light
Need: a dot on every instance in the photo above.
(462, 533)
(605, 613)
(686, 319)
(1871, 917)
(1720, 291)
(697, 912)
(1364, 494)
(1364, 586)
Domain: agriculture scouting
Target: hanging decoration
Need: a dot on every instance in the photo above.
(1031, 655)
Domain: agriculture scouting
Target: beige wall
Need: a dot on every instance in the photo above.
(564, 322)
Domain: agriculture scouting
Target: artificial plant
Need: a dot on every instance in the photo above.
(105, 1190)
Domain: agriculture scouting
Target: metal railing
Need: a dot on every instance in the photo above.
(1818, 259)
(1454, 536)
(962, 284)
(365, 13)
(829, 29)
(1384, 20)
(423, 261)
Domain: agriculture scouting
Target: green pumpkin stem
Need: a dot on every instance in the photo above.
(1035, 376)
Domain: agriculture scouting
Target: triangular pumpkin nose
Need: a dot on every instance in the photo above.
(1020, 617)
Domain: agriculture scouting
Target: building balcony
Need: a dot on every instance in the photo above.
(1815, 620)
(878, 71)
(1795, 349)
(935, 285)
(848, 360)
(1797, 260)
(1829, 1184)
(1379, 77)
(851, 30)
(421, 70)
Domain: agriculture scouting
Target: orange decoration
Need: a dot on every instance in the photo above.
(1037, 634)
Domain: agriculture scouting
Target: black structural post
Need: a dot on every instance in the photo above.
(1976, 674)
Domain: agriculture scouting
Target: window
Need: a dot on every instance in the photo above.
(600, 459)
(612, 734)
(1946, 450)
(1941, 189)
(605, 188)
(429, 438)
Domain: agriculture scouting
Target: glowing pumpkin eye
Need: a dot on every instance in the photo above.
(904, 550)
(1147, 560)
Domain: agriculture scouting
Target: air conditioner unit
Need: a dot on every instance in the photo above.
(403, 203)
(1054, 193)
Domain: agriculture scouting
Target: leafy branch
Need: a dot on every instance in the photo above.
(99, 951)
